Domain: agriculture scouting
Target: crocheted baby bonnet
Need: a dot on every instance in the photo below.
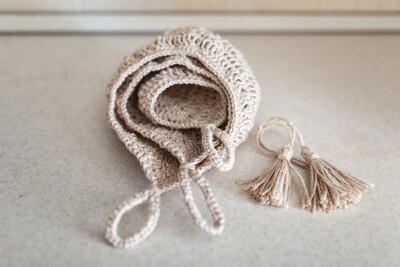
(181, 105)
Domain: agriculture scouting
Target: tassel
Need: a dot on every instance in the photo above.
(331, 188)
(273, 186)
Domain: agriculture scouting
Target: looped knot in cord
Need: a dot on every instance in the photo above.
(308, 154)
(210, 131)
(286, 153)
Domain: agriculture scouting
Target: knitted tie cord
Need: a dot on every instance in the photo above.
(181, 105)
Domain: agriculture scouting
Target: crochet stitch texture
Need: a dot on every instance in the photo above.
(181, 105)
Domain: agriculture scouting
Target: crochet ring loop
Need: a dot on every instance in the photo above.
(152, 196)
(212, 205)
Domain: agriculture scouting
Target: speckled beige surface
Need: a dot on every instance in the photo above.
(62, 169)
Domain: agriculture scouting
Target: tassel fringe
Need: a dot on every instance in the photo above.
(273, 186)
(331, 188)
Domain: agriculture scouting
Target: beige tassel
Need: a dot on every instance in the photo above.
(273, 186)
(331, 188)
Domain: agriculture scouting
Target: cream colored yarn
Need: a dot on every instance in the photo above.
(181, 105)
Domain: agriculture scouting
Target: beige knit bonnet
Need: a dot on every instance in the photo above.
(181, 105)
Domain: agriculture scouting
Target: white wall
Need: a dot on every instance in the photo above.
(106, 16)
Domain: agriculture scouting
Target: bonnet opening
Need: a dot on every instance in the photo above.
(185, 106)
